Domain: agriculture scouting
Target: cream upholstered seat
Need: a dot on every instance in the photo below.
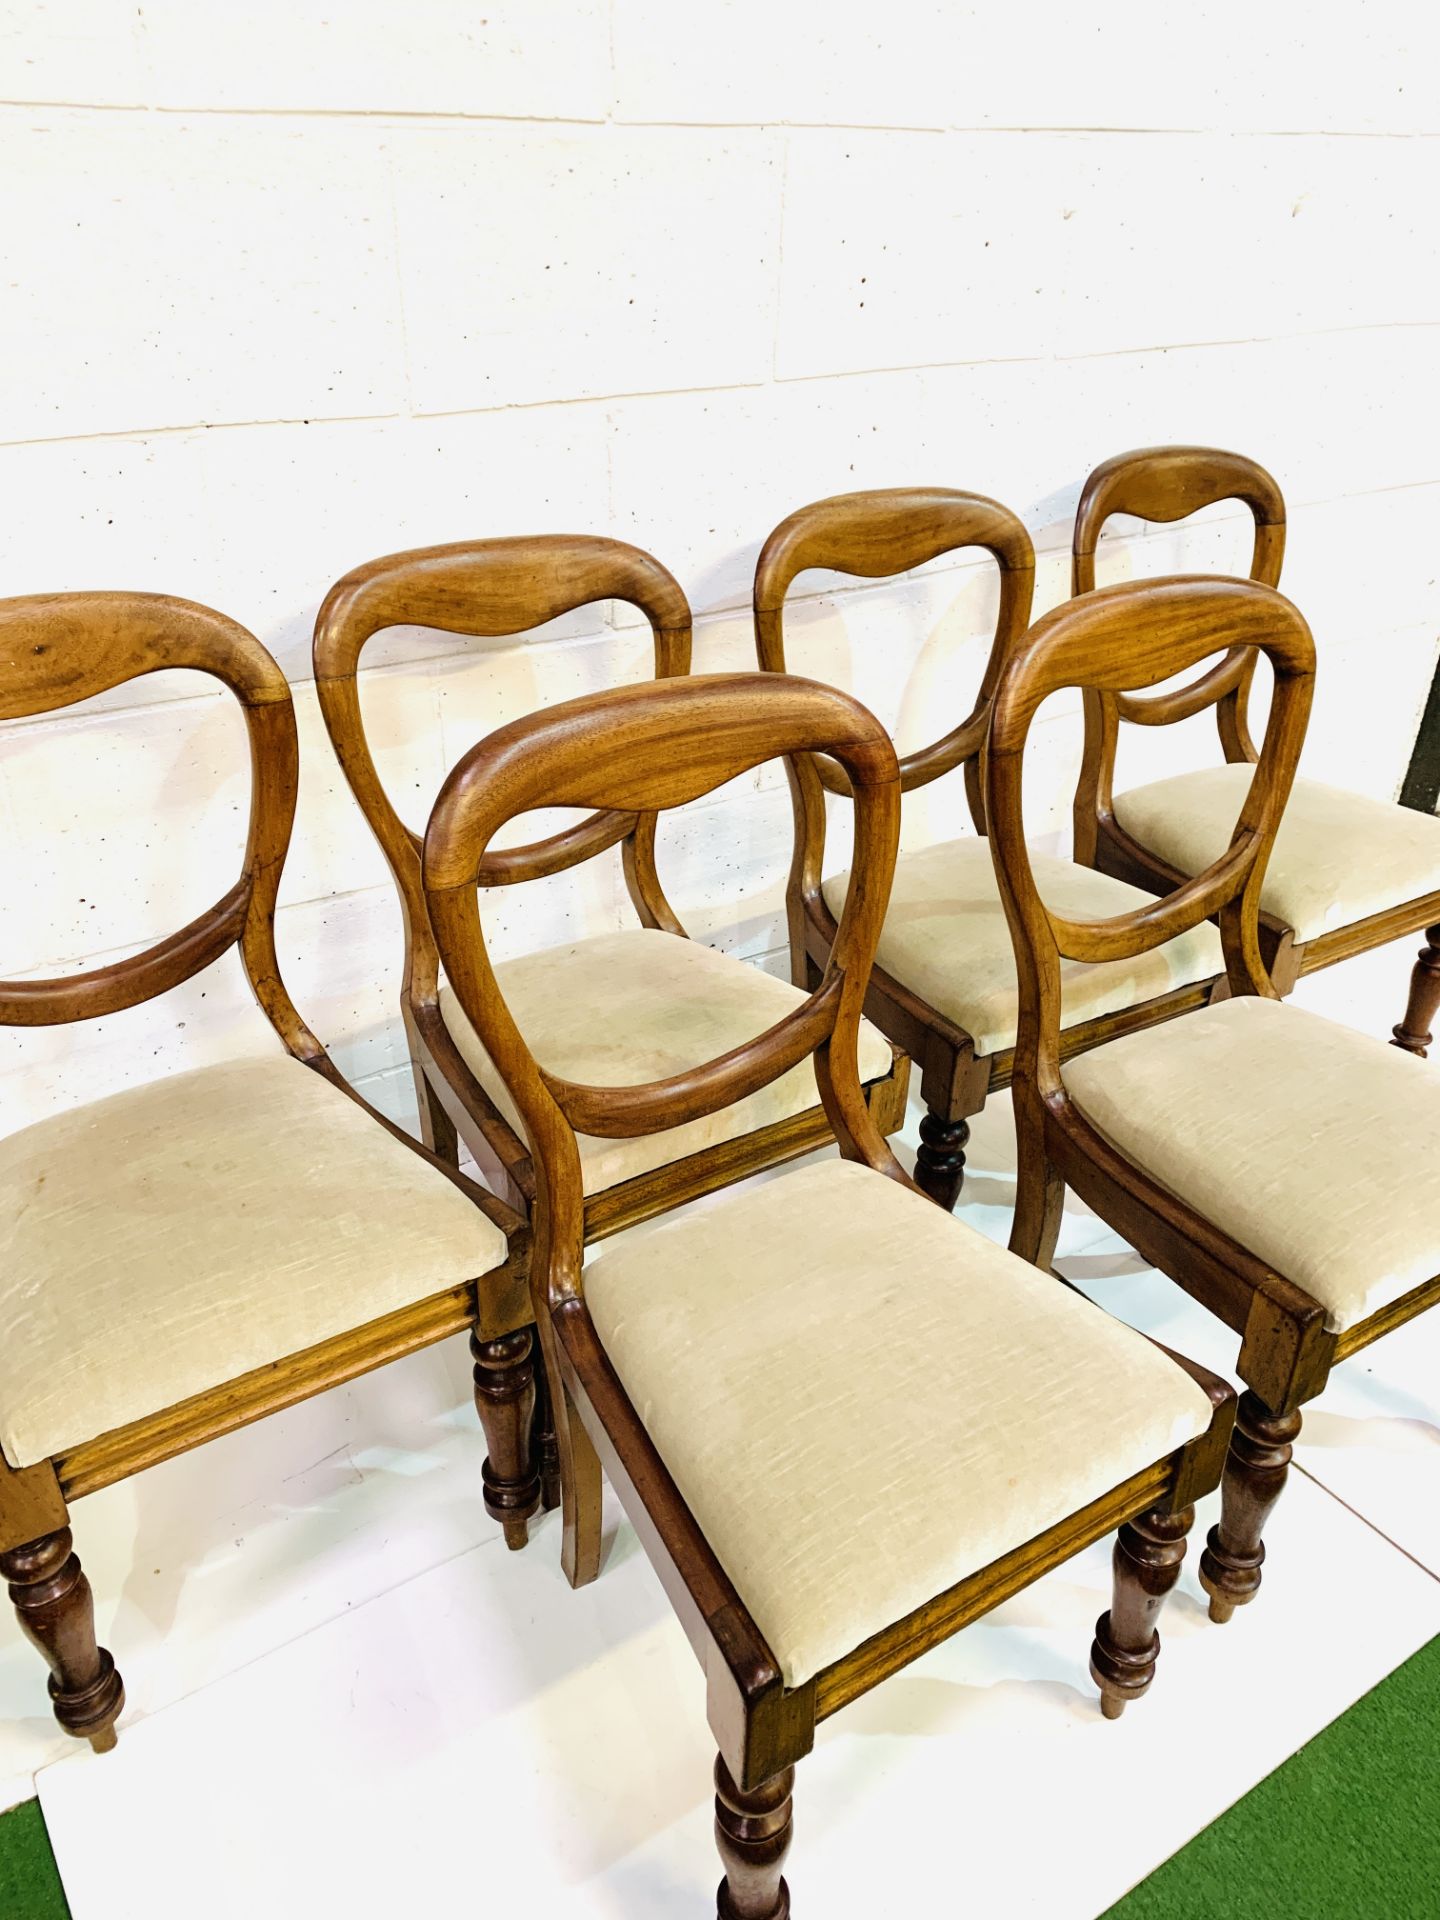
(1339, 857)
(641, 1005)
(946, 939)
(863, 1401)
(172, 1237)
(1315, 1147)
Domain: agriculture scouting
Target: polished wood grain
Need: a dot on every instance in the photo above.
(728, 1161)
(1167, 484)
(1126, 639)
(1147, 1557)
(940, 1158)
(496, 589)
(56, 650)
(656, 747)
(283, 1383)
(504, 1376)
(1386, 1319)
(753, 1831)
(56, 1611)
(32, 1502)
(1413, 1033)
(870, 535)
(938, 1620)
(1260, 1455)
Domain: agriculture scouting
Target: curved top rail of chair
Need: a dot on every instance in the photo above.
(57, 649)
(884, 532)
(598, 752)
(1171, 483)
(657, 746)
(60, 648)
(1134, 635)
(485, 589)
(1166, 484)
(491, 589)
(1169, 624)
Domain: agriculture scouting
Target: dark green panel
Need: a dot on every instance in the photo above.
(1346, 1829)
(1422, 781)
(29, 1884)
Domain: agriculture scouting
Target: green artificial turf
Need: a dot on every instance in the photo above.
(1347, 1829)
(29, 1884)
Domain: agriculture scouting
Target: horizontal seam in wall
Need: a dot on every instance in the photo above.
(442, 116)
(738, 386)
(181, 428)
(1104, 353)
(400, 116)
(968, 129)
(603, 399)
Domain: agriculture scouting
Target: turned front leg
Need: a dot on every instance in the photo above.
(1413, 1033)
(1255, 1473)
(940, 1159)
(1148, 1552)
(753, 1831)
(505, 1401)
(57, 1615)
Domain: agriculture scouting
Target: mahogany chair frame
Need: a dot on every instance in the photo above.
(1111, 642)
(493, 589)
(878, 534)
(651, 748)
(1165, 484)
(56, 650)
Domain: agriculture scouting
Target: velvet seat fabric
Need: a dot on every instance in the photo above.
(1315, 1147)
(630, 1007)
(863, 1400)
(172, 1237)
(1339, 857)
(945, 938)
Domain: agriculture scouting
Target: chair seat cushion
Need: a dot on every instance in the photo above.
(945, 938)
(629, 1007)
(1338, 858)
(1315, 1147)
(172, 1237)
(863, 1401)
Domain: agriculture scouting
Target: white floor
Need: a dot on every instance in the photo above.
(346, 1697)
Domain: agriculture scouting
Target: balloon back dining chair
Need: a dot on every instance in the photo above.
(722, 1363)
(1348, 872)
(190, 1254)
(662, 998)
(943, 986)
(1283, 1169)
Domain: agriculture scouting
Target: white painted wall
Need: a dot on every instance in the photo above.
(287, 286)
